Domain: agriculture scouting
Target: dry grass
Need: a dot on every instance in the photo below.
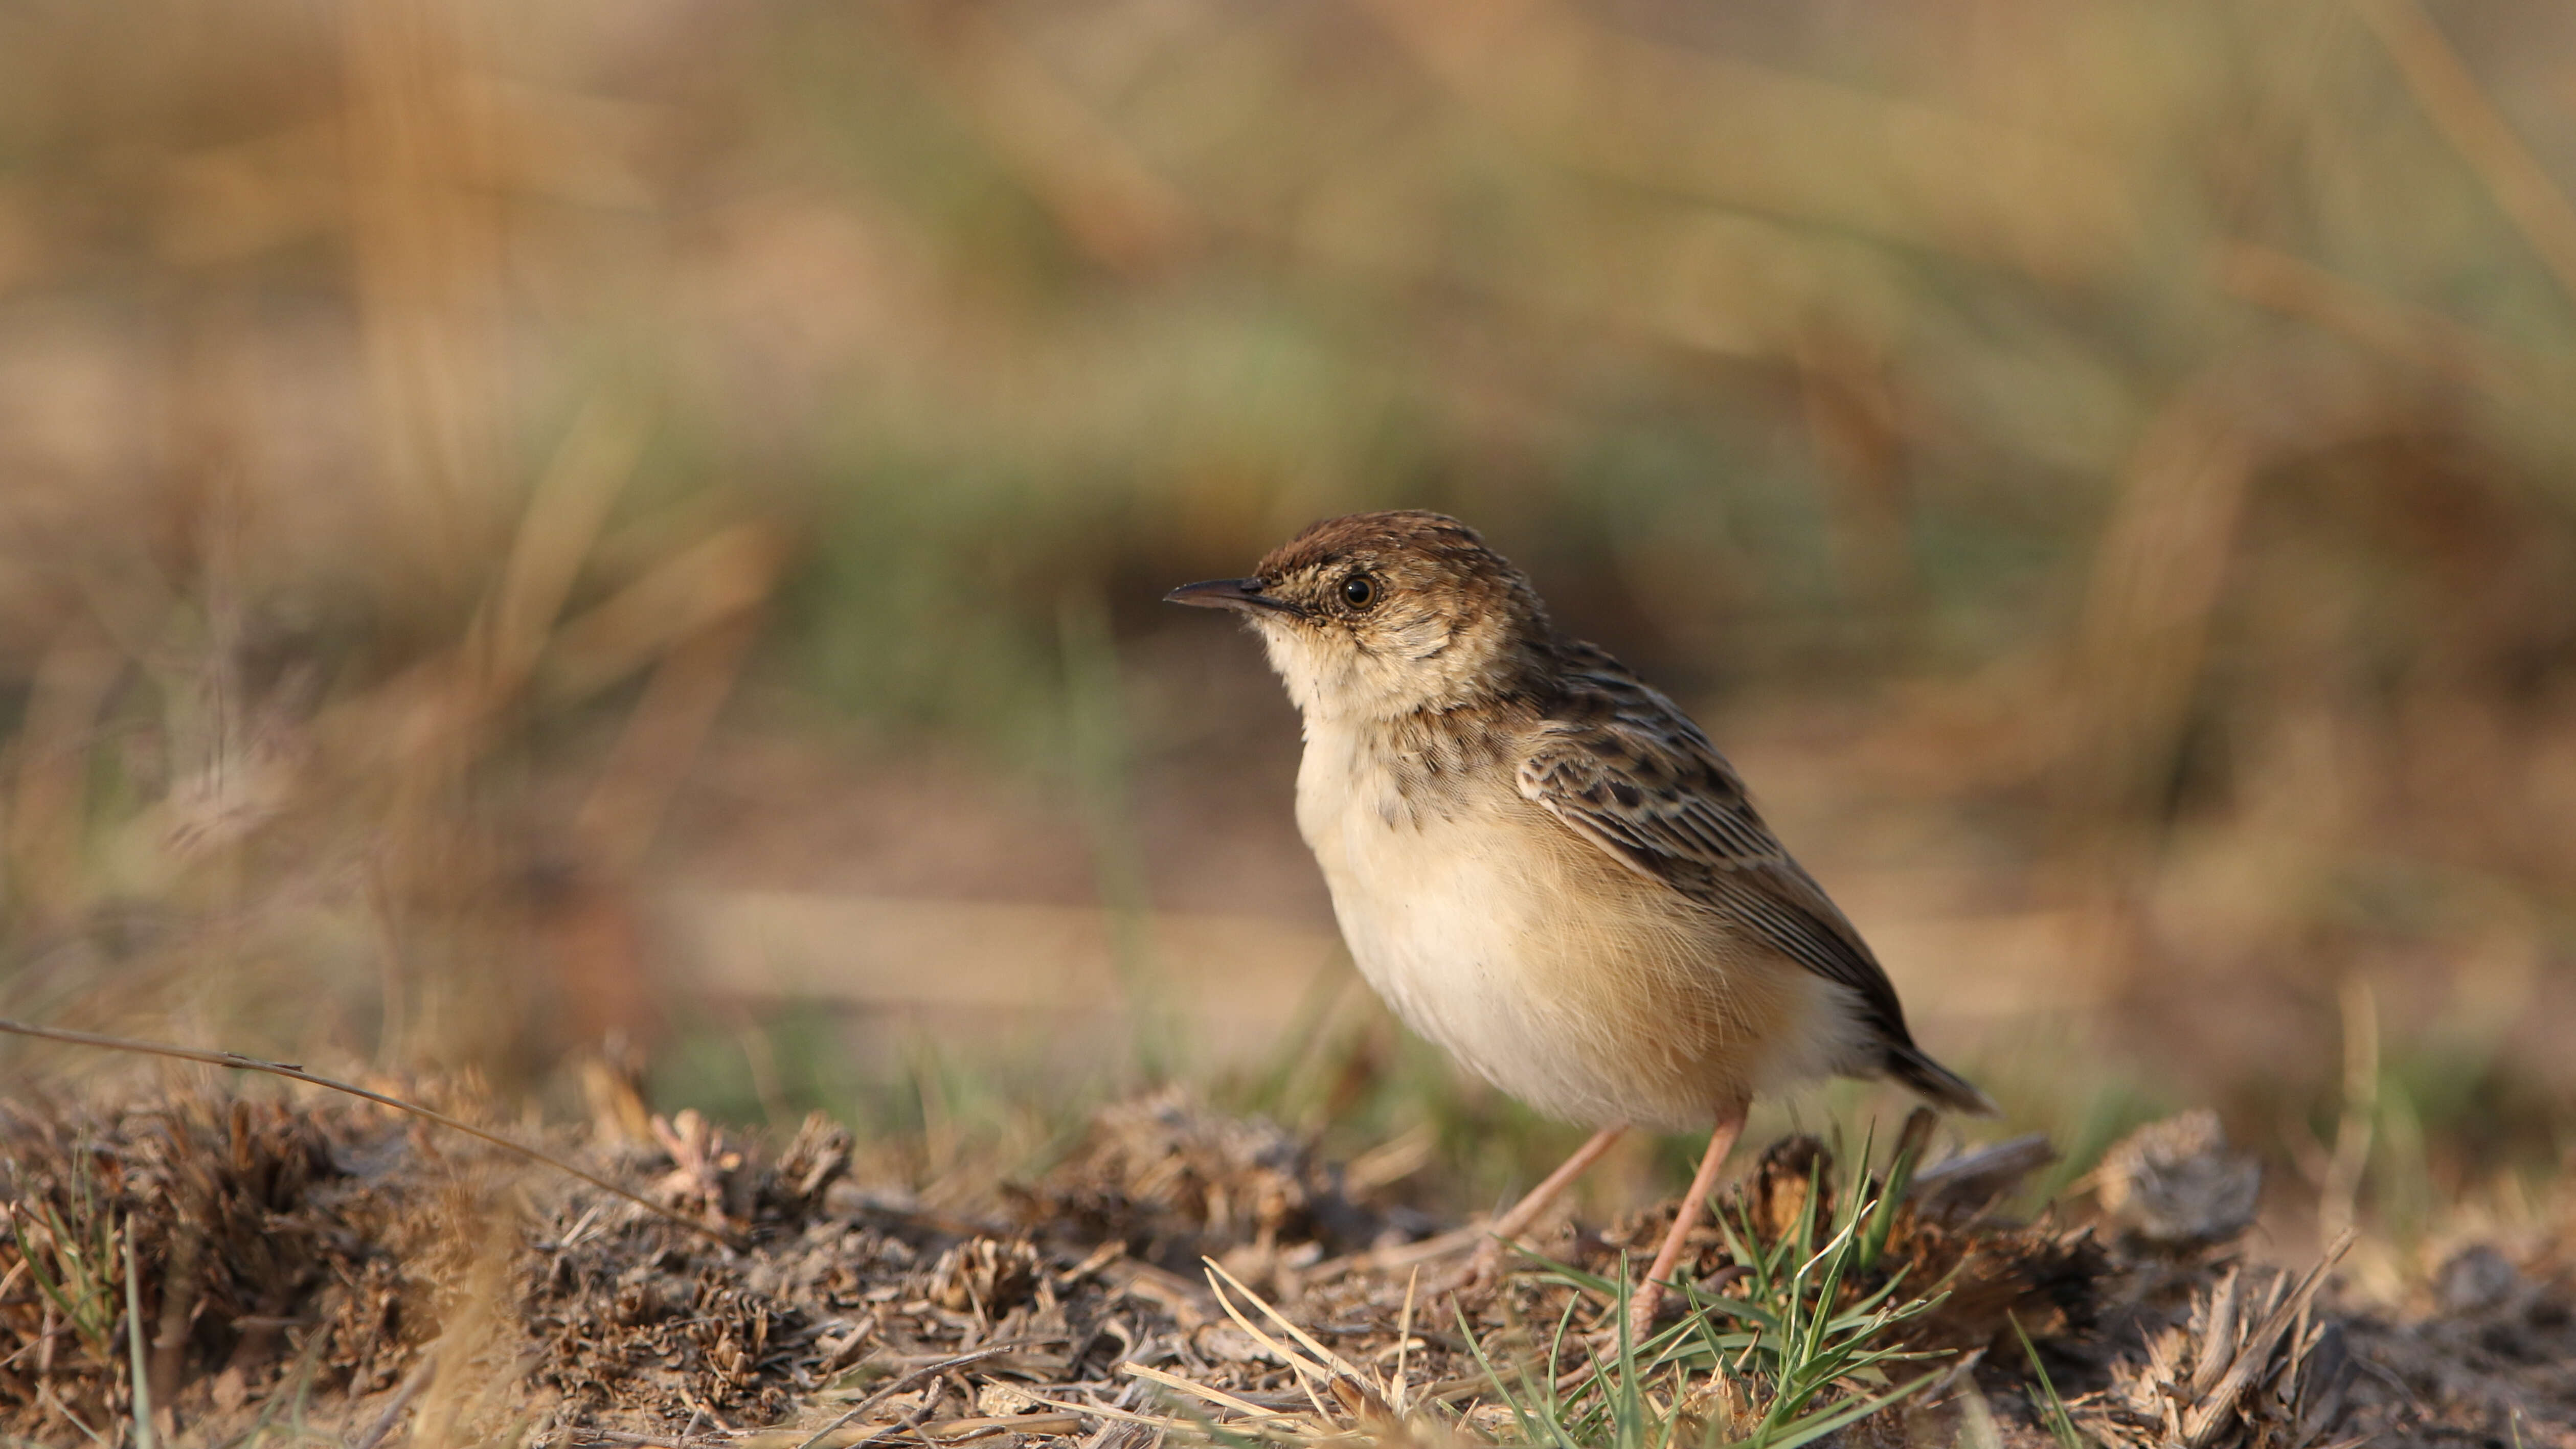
(350, 1271)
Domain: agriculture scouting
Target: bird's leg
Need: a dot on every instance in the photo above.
(1650, 1293)
(1488, 1262)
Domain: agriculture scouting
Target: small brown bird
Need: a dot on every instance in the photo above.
(1544, 866)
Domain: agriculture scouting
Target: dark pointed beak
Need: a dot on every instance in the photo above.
(1242, 594)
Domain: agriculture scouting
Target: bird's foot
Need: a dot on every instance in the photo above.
(1649, 1305)
(1644, 1307)
(1475, 1280)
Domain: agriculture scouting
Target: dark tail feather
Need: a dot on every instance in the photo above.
(1938, 1083)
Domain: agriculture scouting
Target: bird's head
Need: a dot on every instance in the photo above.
(1381, 615)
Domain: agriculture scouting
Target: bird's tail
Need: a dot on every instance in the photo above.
(1938, 1083)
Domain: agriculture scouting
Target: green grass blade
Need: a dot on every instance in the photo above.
(143, 1435)
(1825, 1421)
(1900, 1180)
(36, 1272)
(2061, 1425)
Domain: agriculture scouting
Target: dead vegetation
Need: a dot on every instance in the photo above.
(329, 1265)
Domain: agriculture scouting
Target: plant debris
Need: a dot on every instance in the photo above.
(320, 1256)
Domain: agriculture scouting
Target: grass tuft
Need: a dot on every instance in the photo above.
(71, 1270)
(1816, 1347)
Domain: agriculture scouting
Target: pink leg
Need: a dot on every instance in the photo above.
(1650, 1293)
(1489, 1253)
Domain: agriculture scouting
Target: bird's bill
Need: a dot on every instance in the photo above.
(1240, 594)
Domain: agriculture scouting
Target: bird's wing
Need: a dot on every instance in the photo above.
(1623, 767)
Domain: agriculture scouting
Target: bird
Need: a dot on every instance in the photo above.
(1544, 867)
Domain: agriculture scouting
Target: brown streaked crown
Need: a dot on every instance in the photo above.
(1384, 614)
(1413, 551)
(1435, 537)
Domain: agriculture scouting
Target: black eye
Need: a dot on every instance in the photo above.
(1359, 590)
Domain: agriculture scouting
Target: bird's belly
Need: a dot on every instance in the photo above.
(1445, 939)
(1552, 972)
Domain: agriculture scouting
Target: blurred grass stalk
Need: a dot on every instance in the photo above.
(1097, 754)
(428, 239)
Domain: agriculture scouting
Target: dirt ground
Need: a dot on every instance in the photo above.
(325, 1268)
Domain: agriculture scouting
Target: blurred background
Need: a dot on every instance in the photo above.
(613, 550)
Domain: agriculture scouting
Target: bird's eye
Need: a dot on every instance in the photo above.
(1359, 590)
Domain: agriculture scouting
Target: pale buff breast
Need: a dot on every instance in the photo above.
(1576, 985)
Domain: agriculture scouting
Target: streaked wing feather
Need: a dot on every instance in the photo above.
(1623, 767)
